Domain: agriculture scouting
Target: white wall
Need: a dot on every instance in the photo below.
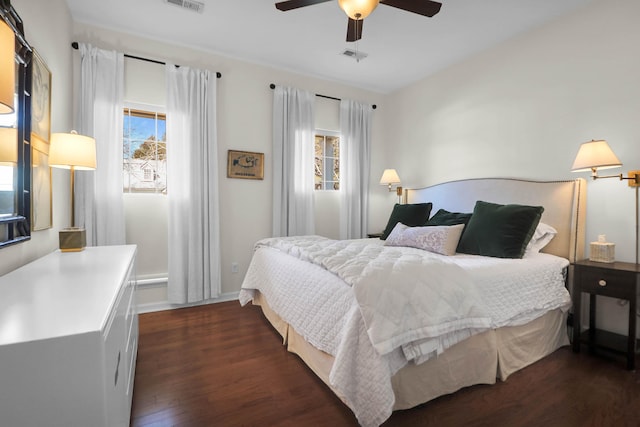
(47, 25)
(522, 109)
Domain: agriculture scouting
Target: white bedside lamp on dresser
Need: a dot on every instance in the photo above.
(7, 68)
(75, 152)
(8, 146)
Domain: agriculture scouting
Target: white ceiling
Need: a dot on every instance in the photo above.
(403, 47)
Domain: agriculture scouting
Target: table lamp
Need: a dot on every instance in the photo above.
(75, 152)
(8, 146)
(7, 68)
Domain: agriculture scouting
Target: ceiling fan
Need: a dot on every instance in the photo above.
(357, 10)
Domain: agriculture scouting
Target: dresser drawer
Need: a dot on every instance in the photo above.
(132, 351)
(129, 308)
(612, 283)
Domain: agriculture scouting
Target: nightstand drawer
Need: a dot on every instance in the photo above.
(616, 284)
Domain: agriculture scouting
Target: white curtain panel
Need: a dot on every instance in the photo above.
(355, 158)
(192, 185)
(293, 161)
(98, 194)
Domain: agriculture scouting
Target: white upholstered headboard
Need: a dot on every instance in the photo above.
(564, 204)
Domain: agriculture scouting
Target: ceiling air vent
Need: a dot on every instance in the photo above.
(192, 5)
(357, 55)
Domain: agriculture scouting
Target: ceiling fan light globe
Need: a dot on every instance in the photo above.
(358, 9)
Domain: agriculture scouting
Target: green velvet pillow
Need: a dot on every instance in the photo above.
(444, 217)
(412, 215)
(501, 231)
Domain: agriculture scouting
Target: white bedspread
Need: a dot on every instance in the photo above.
(374, 320)
(399, 302)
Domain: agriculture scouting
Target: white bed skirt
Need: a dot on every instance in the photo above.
(481, 359)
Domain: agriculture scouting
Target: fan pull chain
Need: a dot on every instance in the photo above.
(357, 57)
(355, 36)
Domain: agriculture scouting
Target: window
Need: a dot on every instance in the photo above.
(327, 161)
(144, 148)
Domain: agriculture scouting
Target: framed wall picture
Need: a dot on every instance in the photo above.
(41, 200)
(245, 164)
(40, 104)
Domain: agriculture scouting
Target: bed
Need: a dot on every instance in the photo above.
(319, 295)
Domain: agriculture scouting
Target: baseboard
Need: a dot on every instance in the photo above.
(161, 282)
(166, 305)
(152, 282)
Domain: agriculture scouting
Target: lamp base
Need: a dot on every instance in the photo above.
(73, 239)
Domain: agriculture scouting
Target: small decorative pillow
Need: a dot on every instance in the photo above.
(436, 238)
(541, 237)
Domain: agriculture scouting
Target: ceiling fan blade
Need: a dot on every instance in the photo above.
(294, 4)
(421, 7)
(354, 30)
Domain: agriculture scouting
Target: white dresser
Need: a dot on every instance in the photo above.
(68, 339)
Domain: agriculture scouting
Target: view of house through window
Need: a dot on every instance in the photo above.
(144, 148)
(327, 161)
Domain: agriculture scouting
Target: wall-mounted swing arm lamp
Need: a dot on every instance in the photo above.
(595, 155)
(389, 178)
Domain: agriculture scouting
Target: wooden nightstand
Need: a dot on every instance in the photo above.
(374, 235)
(617, 280)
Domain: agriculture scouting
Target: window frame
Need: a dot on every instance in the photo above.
(149, 111)
(328, 133)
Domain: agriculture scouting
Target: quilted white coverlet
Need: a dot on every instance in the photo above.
(399, 302)
(386, 306)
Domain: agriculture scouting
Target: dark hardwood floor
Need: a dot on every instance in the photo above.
(224, 365)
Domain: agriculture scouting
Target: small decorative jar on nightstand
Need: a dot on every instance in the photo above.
(616, 280)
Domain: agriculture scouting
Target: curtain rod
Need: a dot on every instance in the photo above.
(75, 46)
(374, 106)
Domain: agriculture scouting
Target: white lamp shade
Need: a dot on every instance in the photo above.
(358, 9)
(70, 149)
(595, 155)
(8, 146)
(389, 177)
(7, 68)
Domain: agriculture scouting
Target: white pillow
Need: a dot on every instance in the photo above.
(440, 239)
(541, 238)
